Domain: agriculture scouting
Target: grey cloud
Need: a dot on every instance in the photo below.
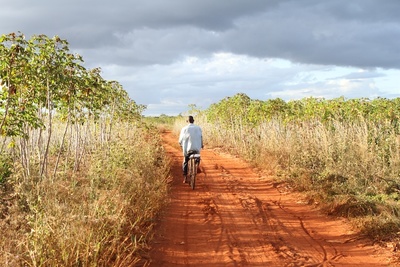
(361, 75)
(316, 34)
(362, 33)
(124, 16)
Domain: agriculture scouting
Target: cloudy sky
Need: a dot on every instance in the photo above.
(171, 53)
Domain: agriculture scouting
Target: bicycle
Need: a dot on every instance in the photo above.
(193, 163)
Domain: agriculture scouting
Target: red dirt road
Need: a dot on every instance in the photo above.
(237, 217)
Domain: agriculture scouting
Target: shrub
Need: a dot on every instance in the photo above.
(5, 168)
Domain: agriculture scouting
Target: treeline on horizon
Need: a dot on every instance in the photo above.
(242, 108)
(252, 112)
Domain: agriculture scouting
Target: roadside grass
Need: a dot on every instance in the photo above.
(101, 215)
(349, 169)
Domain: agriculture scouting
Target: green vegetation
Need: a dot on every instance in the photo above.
(344, 154)
(82, 179)
(162, 121)
(5, 168)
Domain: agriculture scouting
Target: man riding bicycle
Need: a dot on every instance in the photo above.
(191, 141)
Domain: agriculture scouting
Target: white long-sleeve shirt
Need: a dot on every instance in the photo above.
(191, 138)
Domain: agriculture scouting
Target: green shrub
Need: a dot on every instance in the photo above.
(5, 168)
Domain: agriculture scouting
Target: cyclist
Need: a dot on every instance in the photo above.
(191, 141)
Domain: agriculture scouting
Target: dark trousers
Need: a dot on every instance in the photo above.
(185, 165)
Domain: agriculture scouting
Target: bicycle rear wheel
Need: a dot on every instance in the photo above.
(193, 172)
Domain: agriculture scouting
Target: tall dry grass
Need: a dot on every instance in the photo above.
(350, 169)
(99, 215)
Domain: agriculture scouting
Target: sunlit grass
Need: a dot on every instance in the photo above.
(101, 215)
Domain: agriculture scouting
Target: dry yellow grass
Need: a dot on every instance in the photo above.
(101, 215)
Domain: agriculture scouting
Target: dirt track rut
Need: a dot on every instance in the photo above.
(237, 217)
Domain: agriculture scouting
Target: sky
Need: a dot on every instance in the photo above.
(171, 54)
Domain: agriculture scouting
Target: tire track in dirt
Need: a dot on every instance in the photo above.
(237, 217)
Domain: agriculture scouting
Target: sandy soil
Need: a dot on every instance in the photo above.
(238, 217)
